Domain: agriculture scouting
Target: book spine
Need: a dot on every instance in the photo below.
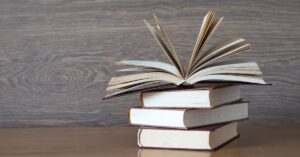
(141, 99)
(139, 138)
(129, 118)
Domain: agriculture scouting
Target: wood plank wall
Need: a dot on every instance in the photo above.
(56, 56)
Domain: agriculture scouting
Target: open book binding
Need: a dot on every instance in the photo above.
(204, 66)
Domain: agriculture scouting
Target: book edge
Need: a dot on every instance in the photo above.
(186, 128)
(208, 128)
(208, 150)
(189, 108)
(186, 108)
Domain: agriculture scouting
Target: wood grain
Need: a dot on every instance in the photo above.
(56, 56)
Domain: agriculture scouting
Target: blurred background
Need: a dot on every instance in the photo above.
(56, 56)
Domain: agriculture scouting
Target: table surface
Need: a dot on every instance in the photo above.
(258, 141)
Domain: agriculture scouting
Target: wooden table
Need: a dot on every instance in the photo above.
(258, 141)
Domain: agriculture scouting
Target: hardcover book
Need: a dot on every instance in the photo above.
(191, 98)
(188, 118)
(207, 138)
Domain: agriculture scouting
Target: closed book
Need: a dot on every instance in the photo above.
(232, 149)
(207, 138)
(190, 98)
(188, 118)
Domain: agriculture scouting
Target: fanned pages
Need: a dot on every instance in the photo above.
(170, 46)
(153, 64)
(202, 67)
(164, 46)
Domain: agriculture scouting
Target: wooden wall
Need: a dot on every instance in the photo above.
(56, 56)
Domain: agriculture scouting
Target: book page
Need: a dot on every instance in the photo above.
(233, 78)
(137, 88)
(151, 75)
(152, 64)
(162, 78)
(213, 26)
(169, 45)
(248, 68)
(163, 45)
(139, 69)
(217, 48)
(203, 29)
(240, 47)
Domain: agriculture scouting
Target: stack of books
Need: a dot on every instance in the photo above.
(193, 108)
(201, 119)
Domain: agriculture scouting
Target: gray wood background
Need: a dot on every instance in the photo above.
(56, 56)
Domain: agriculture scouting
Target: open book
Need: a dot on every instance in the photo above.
(204, 66)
